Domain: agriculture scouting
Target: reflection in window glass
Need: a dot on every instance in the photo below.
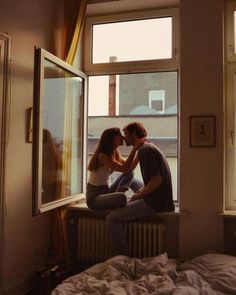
(132, 40)
(62, 145)
(116, 100)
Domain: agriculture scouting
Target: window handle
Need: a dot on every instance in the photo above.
(232, 137)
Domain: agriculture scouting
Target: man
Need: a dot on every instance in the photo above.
(154, 196)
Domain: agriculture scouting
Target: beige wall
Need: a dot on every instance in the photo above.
(201, 93)
(34, 22)
(26, 238)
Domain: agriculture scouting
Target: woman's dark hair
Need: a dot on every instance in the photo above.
(136, 128)
(106, 146)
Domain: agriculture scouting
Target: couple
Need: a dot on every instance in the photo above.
(151, 196)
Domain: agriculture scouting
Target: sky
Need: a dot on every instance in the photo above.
(128, 41)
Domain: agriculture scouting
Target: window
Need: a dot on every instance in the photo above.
(126, 84)
(58, 133)
(230, 107)
(128, 40)
(133, 42)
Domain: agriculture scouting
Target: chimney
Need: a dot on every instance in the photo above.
(112, 91)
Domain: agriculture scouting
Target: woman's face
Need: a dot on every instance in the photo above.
(118, 140)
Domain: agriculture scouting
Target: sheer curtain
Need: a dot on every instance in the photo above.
(73, 26)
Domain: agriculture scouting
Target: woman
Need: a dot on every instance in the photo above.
(105, 160)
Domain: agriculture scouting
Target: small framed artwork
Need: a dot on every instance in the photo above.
(202, 131)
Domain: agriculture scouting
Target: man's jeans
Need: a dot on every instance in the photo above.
(116, 219)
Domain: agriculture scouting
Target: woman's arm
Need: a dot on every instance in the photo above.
(114, 164)
(120, 166)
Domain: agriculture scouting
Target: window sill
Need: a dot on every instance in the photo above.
(228, 213)
(81, 206)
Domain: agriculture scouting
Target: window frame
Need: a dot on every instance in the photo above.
(38, 206)
(229, 36)
(131, 66)
(230, 108)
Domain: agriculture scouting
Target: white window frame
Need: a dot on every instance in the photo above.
(229, 36)
(131, 66)
(143, 66)
(230, 109)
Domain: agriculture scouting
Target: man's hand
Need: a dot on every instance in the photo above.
(154, 182)
(135, 197)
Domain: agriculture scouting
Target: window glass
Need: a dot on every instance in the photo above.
(132, 40)
(133, 94)
(62, 147)
(116, 100)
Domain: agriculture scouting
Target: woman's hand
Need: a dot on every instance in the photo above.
(139, 143)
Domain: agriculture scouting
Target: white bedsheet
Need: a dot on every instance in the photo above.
(210, 274)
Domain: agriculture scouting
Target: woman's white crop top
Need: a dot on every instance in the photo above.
(100, 176)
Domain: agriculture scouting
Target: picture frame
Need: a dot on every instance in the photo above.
(202, 131)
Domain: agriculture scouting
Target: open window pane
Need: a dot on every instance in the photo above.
(116, 100)
(132, 40)
(62, 147)
(57, 133)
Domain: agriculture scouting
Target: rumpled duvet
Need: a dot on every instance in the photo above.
(210, 274)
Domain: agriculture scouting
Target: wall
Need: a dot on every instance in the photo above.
(134, 90)
(201, 91)
(26, 238)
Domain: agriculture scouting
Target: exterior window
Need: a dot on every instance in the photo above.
(157, 100)
(133, 76)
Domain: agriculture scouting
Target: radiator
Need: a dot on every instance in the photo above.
(145, 239)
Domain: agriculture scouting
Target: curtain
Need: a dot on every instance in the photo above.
(73, 26)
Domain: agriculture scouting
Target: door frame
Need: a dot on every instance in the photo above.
(5, 42)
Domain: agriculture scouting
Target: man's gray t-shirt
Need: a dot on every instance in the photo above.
(152, 163)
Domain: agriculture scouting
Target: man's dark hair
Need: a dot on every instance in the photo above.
(136, 128)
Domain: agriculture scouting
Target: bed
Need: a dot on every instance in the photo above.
(209, 274)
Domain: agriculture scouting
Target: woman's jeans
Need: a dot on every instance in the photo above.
(105, 198)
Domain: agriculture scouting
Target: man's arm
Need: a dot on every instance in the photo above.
(154, 182)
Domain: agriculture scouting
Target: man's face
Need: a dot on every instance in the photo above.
(128, 137)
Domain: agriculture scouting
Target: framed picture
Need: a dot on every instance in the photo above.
(202, 131)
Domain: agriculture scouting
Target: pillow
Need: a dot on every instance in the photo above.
(218, 270)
